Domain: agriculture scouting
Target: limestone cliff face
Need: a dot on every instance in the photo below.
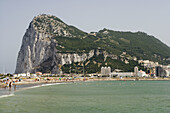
(35, 50)
(38, 51)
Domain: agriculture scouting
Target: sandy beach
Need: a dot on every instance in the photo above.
(67, 80)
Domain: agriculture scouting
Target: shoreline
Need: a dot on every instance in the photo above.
(6, 92)
(65, 80)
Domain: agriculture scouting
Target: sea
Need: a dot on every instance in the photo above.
(91, 97)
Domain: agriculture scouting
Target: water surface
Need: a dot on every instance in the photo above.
(92, 97)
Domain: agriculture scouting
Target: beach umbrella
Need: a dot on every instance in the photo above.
(4, 78)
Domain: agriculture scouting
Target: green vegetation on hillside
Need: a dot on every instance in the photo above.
(72, 40)
(137, 44)
(68, 44)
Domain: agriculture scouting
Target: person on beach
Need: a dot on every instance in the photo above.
(14, 87)
(7, 84)
(10, 84)
(3, 85)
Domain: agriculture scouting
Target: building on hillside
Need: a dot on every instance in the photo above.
(105, 71)
(92, 33)
(148, 64)
(134, 58)
(118, 70)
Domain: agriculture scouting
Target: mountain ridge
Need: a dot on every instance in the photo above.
(50, 45)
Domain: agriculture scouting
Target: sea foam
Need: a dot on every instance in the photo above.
(43, 85)
(3, 96)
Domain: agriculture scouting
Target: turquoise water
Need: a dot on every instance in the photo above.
(92, 97)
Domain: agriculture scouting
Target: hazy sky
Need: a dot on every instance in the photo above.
(150, 16)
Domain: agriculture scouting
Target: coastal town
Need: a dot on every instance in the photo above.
(154, 71)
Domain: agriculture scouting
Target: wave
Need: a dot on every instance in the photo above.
(47, 84)
(52, 84)
(3, 96)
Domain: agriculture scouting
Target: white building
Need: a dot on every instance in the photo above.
(15, 75)
(105, 70)
(167, 73)
(22, 75)
(33, 75)
(142, 74)
(135, 70)
(122, 74)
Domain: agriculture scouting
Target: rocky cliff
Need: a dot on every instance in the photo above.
(49, 45)
(38, 51)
